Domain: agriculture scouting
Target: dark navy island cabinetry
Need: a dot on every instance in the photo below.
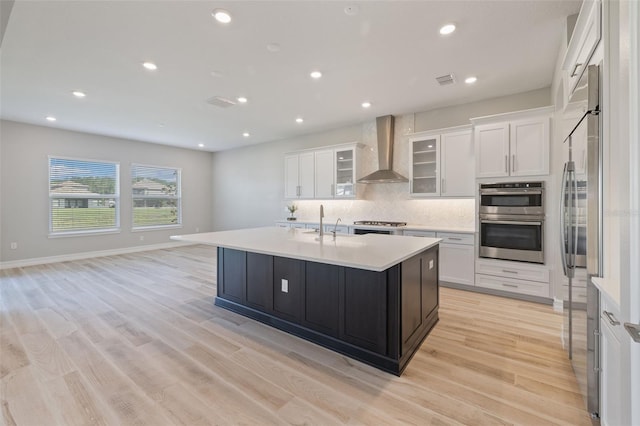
(379, 318)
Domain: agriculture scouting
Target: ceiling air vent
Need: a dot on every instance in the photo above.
(221, 102)
(443, 80)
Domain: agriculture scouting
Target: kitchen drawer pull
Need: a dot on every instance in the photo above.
(506, 163)
(509, 285)
(612, 319)
(454, 238)
(506, 271)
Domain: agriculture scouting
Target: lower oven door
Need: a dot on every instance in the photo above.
(520, 240)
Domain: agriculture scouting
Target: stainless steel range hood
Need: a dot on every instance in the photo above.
(385, 174)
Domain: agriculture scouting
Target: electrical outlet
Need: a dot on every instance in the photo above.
(14, 246)
(141, 237)
(431, 264)
(284, 286)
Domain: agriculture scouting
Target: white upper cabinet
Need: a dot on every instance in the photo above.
(457, 177)
(583, 44)
(442, 163)
(322, 174)
(299, 175)
(514, 144)
(425, 165)
(345, 173)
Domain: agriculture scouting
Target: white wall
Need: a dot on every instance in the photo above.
(249, 182)
(24, 151)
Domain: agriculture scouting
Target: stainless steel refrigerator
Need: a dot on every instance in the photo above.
(581, 235)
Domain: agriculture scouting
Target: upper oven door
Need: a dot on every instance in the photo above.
(511, 201)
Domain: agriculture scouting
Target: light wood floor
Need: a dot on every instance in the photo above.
(135, 340)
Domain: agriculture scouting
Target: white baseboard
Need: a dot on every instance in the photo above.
(557, 305)
(88, 255)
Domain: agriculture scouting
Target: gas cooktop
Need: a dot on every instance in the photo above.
(379, 223)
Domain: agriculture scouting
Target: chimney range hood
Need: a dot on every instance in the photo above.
(385, 174)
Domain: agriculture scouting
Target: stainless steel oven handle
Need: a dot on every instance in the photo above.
(514, 192)
(513, 222)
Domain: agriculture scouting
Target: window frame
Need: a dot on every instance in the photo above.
(115, 196)
(177, 197)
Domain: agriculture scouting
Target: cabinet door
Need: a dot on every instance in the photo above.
(306, 174)
(530, 147)
(345, 177)
(425, 166)
(492, 150)
(612, 375)
(324, 174)
(457, 263)
(291, 176)
(457, 165)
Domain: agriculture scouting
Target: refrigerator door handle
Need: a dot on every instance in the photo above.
(563, 224)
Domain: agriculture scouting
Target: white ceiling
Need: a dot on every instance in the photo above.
(389, 54)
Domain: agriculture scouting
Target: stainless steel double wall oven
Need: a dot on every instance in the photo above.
(512, 221)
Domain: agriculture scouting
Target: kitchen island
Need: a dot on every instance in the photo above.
(371, 297)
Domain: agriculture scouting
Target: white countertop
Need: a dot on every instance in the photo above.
(372, 252)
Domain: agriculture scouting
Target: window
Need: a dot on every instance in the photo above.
(83, 196)
(156, 196)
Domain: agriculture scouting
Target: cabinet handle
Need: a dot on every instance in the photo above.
(506, 271)
(333, 190)
(298, 190)
(442, 190)
(513, 165)
(506, 164)
(454, 239)
(509, 285)
(612, 319)
(575, 70)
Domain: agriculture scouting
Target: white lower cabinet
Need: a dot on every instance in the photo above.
(514, 277)
(612, 334)
(456, 257)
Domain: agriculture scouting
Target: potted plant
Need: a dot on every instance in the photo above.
(292, 210)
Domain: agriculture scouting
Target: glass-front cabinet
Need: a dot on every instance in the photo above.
(345, 173)
(425, 172)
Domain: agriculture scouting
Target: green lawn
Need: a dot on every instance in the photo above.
(104, 217)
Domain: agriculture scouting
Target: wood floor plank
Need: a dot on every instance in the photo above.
(136, 339)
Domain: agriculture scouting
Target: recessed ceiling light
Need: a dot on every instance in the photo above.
(447, 29)
(470, 80)
(150, 66)
(50, 118)
(351, 10)
(78, 94)
(273, 47)
(201, 145)
(221, 16)
(242, 99)
(160, 124)
(366, 104)
(246, 134)
(316, 74)
(299, 120)
(216, 73)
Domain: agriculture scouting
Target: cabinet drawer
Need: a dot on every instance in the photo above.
(410, 233)
(452, 238)
(513, 285)
(513, 271)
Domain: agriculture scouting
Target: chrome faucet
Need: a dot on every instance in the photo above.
(321, 216)
(335, 229)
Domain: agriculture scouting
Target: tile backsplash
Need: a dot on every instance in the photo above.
(390, 202)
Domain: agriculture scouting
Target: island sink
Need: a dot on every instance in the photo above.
(371, 297)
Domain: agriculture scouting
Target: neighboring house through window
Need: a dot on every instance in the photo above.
(83, 196)
(156, 196)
